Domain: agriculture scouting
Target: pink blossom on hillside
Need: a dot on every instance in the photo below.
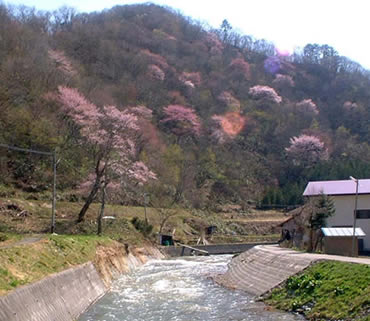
(110, 133)
(155, 59)
(229, 100)
(265, 93)
(189, 84)
(306, 150)
(83, 112)
(214, 43)
(193, 77)
(155, 72)
(212, 39)
(283, 80)
(348, 105)
(141, 173)
(307, 106)
(241, 66)
(182, 120)
(62, 62)
(141, 112)
(217, 132)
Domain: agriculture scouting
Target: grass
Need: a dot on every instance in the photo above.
(327, 291)
(187, 223)
(22, 264)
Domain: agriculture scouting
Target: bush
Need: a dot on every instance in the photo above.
(3, 237)
(142, 226)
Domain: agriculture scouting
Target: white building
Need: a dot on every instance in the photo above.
(343, 193)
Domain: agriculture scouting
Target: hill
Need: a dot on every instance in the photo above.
(141, 100)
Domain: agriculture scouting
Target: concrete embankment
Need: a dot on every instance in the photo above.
(64, 296)
(264, 267)
(213, 249)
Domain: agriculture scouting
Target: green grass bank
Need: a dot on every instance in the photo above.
(326, 291)
(26, 263)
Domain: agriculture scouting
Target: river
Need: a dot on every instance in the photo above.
(179, 289)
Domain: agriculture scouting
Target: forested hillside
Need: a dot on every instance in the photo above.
(142, 99)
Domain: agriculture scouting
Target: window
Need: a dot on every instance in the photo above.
(363, 214)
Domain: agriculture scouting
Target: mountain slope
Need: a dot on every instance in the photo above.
(238, 105)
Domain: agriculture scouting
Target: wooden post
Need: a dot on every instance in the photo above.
(52, 229)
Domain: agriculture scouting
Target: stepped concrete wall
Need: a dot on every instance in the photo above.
(264, 267)
(65, 295)
(60, 297)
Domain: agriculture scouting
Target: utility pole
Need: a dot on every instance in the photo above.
(54, 158)
(54, 192)
(354, 217)
(145, 201)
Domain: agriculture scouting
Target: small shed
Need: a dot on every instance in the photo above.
(338, 240)
(165, 240)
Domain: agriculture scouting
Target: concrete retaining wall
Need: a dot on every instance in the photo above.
(64, 296)
(232, 248)
(262, 268)
(60, 297)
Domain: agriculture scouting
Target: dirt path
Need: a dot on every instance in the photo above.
(275, 249)
(24, 241)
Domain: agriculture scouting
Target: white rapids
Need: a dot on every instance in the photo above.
(179, 290)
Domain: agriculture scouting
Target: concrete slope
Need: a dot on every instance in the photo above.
(262, 268)
(60, 297)
(65, 295)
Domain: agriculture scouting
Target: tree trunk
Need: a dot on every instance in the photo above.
(99, 174)
(101, 214)
(89, 199)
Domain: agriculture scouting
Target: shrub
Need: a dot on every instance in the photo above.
(142, 226)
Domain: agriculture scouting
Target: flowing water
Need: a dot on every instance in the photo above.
(179, 289)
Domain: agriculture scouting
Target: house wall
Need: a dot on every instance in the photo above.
(344, 207)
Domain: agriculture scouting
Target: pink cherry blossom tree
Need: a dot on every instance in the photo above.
(182, 121)
(62, 63)
(109, 134)
(240, 67)
(350, 106)
(194, 78)
(307, 106)
(265, 93)
(306, 150)
(156, 73)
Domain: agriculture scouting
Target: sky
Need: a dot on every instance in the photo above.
(342, 24)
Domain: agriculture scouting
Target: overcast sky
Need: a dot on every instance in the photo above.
(343, 24)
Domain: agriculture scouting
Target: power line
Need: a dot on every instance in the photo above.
(19, 149)
(53, 155)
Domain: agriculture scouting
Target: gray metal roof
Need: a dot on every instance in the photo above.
(345, 187)
(342, 231)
